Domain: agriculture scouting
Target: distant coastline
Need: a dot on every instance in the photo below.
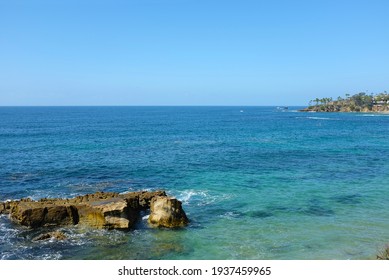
(360, 102)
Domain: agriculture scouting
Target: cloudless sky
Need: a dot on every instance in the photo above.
(190, 52)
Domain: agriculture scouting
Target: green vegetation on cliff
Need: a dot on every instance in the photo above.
(360, 102)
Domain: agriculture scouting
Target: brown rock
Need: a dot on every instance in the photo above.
(36, 214)
(54, 234)
(61, 215)
(89, 216)
(167, 212)
(98, 210)
(5, 207)
(28, 215)
(141, 200)
(146, 197)
(111, 213)
(384, 253)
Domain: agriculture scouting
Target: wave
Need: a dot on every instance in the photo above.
(22, 176)
(230, 215)
(188, 196)
(375, 115)
(8, 238)
(200, 197)
(54, 256)
(317, 118)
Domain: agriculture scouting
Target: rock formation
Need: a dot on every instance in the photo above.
(167, 212)
(98, 210)
(57, 235)
(360, 102)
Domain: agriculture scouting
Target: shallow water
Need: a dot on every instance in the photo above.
(257, 184)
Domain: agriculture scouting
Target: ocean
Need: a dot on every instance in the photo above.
(255, 182)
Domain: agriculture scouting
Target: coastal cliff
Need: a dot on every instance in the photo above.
(98, 210)
(360, 102)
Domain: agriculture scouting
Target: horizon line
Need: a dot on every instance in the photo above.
(3, 106)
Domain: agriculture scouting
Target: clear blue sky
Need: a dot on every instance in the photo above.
(190, 52)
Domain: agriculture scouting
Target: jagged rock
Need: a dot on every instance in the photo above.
(54, 234)
(28, 215)
(108, 213)
(5, 207)
(98, 210)
(384, 253)
(94, 197)
(167, 212)
(37, 214)
(146, 197)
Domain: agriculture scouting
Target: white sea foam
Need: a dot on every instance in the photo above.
(229, 215)
(78, 239)
(19, 176)
(5, 256)
(46, 193)
(194, 197)
(375, 115)
(319, 118)
(54, 256)
(186, 195)
(201, 197)
(128, 191)
(5, 231)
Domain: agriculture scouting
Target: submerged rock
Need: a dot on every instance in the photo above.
(54, 234)
(167, 212)
(98, 210)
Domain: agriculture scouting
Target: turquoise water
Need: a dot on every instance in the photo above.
(255, 182)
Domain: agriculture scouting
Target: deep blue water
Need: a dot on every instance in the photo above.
(256, 183)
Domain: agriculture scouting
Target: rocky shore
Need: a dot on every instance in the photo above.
(333, 107)
(98, 210)
(360, 102)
